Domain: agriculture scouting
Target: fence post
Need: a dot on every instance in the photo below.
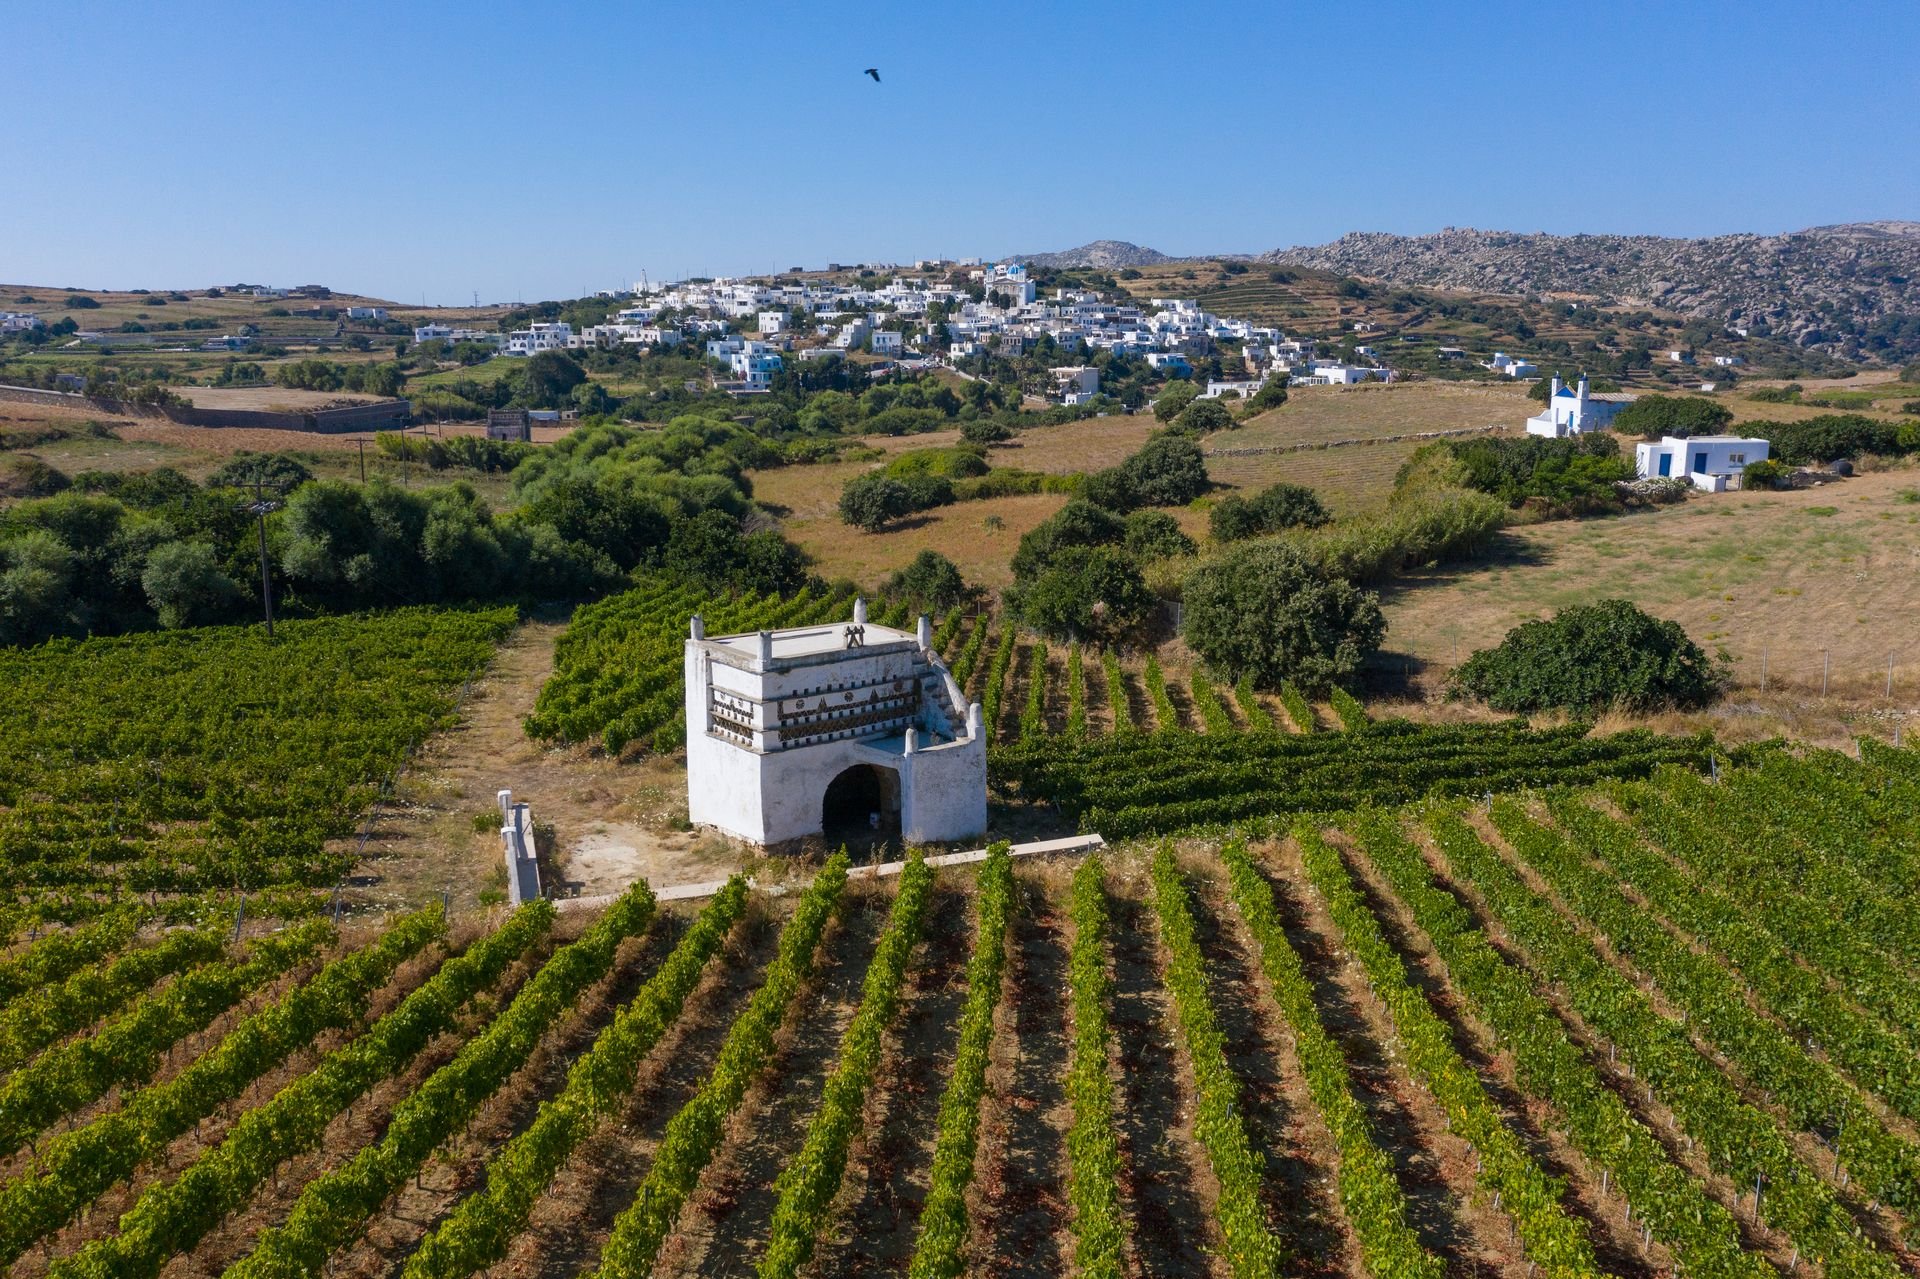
(1826, 669)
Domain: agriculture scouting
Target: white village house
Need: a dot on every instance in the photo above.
(1077, 384)
(1712, 462)
(835, 730)
(1571, 411)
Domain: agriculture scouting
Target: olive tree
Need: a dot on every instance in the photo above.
(1268, 613)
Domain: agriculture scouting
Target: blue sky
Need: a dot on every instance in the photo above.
(534, 150)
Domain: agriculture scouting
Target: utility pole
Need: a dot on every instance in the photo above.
(363, 460)
(259, 509)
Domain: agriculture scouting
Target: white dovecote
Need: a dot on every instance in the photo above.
(847, 725)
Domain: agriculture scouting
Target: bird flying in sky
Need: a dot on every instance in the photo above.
(875, 73)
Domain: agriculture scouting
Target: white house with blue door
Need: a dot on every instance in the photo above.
(1712, 462)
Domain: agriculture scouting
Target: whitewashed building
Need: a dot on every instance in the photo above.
(18, 321)
(1077, 384)
(831, 731)
(1572, 410)
(555, 336)
(1010, 280)
(1712, 462)
(755, 364)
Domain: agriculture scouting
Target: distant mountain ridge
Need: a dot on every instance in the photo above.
(1852, 289)
(1101, 255)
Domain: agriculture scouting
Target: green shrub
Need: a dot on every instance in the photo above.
(1155, 535)
(1084, 592)
(1268, 612)
(1202, 417)
(1174, 400)
(1427, 528)
(1590, 657)
(985, 430)
(1768, 474)
(1281, 506)
(951, 463)
(1653, 416)
(931, 581)
(1578, 471)
(1169, 470)
(1831, 436)
(871, 501)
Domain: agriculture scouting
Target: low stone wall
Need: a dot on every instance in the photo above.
(381, 415)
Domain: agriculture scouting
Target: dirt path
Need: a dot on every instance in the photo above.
(1019, 1197)
(612, 822)
(891, 1162)
(1170, 1188)
(1281, 1117)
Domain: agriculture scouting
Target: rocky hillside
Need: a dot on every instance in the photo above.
(1103, 255)
(1851, 290)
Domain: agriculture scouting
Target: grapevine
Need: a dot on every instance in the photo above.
(1212, 714)
(1353, 716)
(1166, 717)
(478, 1232)
(1033, 720)
(1093, 1150)
(332, 1209)
(1252, 1247)
(939, 1251)
(172, 1216)
(1554, 1238)
(79, 1164)
(1549, 1065)
(809, 1181)
(1076, 692)
(695, 1130)
(1298, 708)
(1368, 1191)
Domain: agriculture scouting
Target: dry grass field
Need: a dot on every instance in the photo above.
(1317, 414)
(1776, 577)
(979, 537)
(1354, 479)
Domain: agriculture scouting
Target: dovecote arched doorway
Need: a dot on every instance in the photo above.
(861, 805)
